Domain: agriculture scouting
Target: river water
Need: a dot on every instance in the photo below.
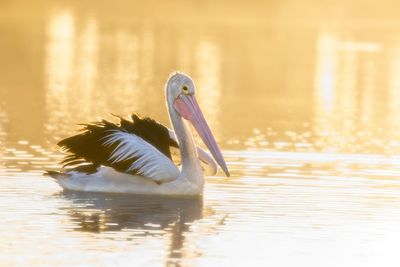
(305, 105)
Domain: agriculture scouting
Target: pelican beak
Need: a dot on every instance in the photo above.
(188, 108)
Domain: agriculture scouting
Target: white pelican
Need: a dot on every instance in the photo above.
(134, 156)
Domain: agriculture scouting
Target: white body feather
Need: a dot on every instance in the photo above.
(106, 179)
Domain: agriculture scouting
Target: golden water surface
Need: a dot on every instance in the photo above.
(303, 97)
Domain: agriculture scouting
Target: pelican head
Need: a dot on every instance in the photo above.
(181, 94)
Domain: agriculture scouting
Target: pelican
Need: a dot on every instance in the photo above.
(134, 156)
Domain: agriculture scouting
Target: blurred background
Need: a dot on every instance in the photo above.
(303, 97)
(297, 75)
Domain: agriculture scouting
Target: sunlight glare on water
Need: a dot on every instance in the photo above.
(306, 109)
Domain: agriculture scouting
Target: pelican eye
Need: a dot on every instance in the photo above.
(185, 90)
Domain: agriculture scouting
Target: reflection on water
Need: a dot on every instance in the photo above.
(59, 67)
(394, 92)
(209, 75)
(349, 100)
(95, 212)
(312, 206)
(136, 216)
(306, 109)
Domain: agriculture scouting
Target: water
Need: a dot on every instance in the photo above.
(305, 106)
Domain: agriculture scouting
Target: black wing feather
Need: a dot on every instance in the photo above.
(88, 147)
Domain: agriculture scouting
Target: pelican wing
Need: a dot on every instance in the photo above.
(143, 158)
(138, 147)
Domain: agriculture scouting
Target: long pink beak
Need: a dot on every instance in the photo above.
(188, 108)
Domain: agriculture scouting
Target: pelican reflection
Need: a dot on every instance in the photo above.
(99, 212)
